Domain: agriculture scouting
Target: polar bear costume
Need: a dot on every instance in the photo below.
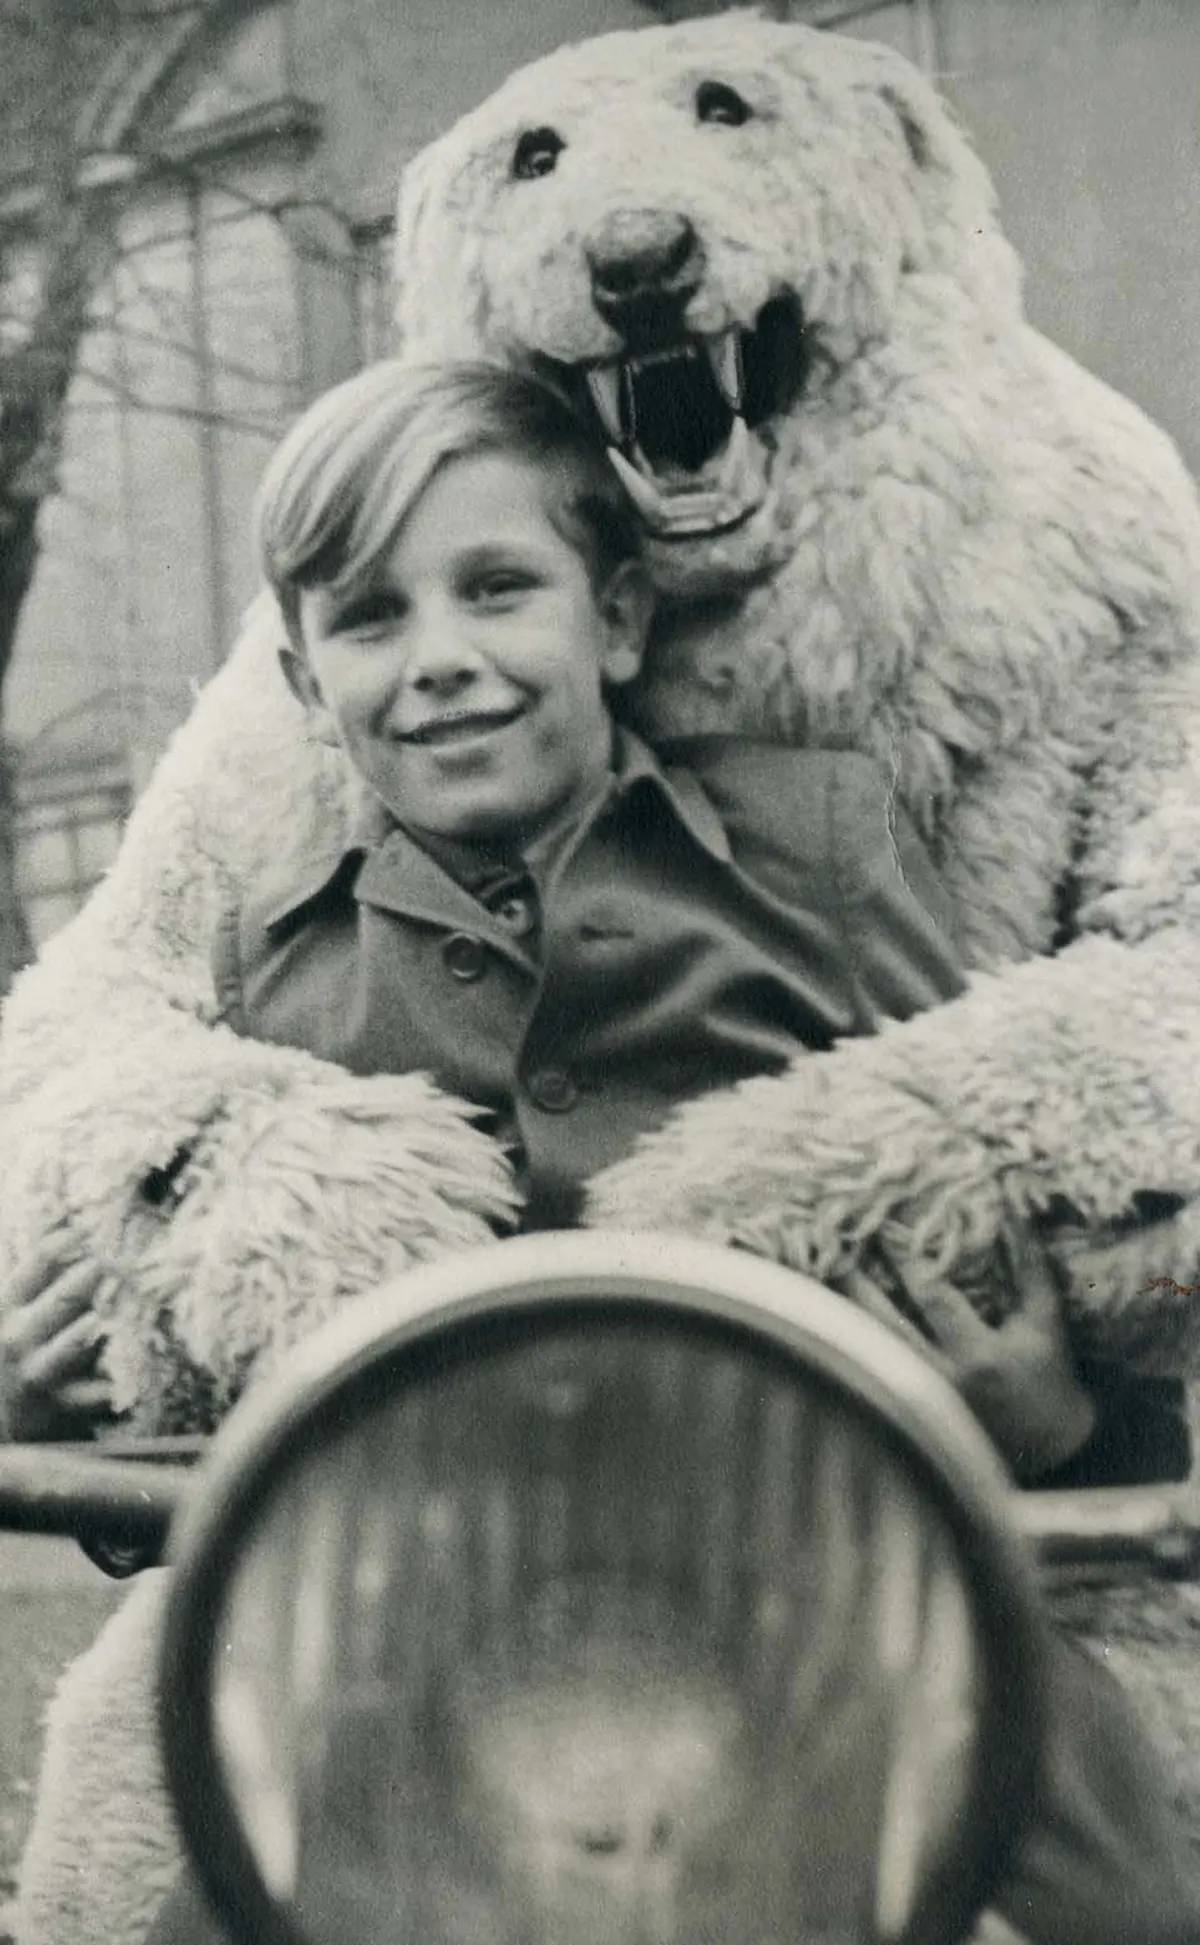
(884, 515)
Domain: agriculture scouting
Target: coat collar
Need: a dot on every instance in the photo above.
(680, 789)
(387, 867)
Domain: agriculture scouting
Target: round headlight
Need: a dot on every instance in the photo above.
(594, 1590)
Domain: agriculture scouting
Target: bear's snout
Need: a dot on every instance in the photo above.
(645, 265)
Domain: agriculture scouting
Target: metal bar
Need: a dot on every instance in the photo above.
(128, 1489)
(1156, 1527)
(179, 1448)
(44, 1490)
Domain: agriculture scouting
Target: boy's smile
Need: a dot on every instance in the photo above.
(457, 729)
(466, 679)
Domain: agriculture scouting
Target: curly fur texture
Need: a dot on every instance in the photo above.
(278, 1187)
(969, 559)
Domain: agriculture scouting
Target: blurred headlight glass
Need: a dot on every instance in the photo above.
(632, 1635)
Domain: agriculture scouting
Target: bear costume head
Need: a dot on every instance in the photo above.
(704, 231)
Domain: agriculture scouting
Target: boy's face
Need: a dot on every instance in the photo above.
(464, 681)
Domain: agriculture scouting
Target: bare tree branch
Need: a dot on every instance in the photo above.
(33, 386)
(68, 258)
(129, 397)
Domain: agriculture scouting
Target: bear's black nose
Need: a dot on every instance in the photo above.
(645, 265)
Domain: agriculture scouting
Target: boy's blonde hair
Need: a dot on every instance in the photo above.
(352, 468)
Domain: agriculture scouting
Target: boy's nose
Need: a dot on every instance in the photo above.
(442, 664)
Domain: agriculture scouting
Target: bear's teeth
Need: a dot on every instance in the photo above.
(605, 383)
(690, 511)
(646, 498)
(737, 461)
(725, 357)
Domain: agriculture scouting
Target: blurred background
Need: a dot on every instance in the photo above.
(195, 218)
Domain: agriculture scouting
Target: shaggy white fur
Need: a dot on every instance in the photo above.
(216, 1263)
(103, 1797)
(953, 549)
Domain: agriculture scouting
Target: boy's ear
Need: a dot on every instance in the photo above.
(306, 689)
(626, 604)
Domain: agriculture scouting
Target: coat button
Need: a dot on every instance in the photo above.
(553, 1090)
(464, 956)
(516, 914)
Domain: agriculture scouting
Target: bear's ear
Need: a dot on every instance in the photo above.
(913, 128)
(916, 109)
(869, 68)
(924, 122)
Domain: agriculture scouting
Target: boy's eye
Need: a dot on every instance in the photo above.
(369, 614)
(499, 584)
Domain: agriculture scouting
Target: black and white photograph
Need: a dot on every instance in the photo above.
(599, 972)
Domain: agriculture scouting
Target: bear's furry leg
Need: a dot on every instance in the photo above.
(104, 1849)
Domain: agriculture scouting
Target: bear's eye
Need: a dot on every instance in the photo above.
(717, 102)
(536, 153)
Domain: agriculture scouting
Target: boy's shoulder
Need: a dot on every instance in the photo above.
(814, 806)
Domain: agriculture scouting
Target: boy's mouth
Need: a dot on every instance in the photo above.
(461, 726)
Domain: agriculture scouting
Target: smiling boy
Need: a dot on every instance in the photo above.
(535, 909)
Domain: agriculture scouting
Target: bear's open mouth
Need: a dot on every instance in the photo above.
(688, 421)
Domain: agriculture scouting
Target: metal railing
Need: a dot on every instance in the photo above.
(118, 1500)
